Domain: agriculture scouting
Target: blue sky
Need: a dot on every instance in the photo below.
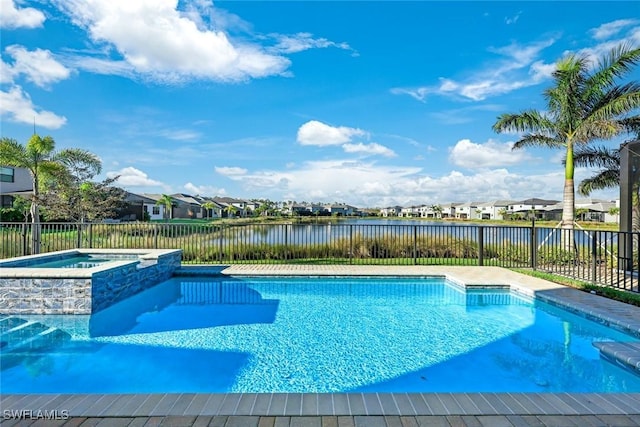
(370, 103)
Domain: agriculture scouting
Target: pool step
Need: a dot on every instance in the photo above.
(28, 335)
(626, 354)
(9, 322)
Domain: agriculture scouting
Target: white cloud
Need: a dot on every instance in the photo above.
(17, 107)
(458, 116)
(368, 184)
(39, 66)
(179, 134)
(609, 29)
(132, 177)
(372, 148)
(516, 70)
(512, 19)
(317, 133)
(491, 154)
(12, 17)
(161, 43)
(230, 171)
(304, 41)
(204, 190)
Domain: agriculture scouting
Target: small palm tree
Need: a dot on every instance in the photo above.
(207, 206)
(166, 201)
(231, 210)
(582, 106)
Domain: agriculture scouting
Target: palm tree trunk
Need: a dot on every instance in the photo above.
(568, 216)
(36, 231)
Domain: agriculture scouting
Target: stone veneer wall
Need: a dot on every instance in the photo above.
(45, 296)
(84, 295)
(114, 285)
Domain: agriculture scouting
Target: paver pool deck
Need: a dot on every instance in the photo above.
(360, 409)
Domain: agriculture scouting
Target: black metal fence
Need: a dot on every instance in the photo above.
(603, 257)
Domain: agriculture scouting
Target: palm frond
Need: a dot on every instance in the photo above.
(13, 153)
(600, 181)
(82, 163)
(631, 125)
(619, 61)
(537, 140)
(597, 157)
(526, 121)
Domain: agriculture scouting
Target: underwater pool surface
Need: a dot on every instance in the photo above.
(314, 334)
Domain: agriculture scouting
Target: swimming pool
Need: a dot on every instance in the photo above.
(314, 334)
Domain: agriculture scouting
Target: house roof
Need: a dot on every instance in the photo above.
(534, 201)
(144, 198)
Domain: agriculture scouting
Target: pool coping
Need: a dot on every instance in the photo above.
(607, 311)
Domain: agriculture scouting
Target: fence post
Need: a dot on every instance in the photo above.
(155, 236)
(221, 228)
(415, 245)
(534, 245)
(350, 243)
(79, 237)
(24, 239)
(481, 245)
(90, 235)
(594, 257)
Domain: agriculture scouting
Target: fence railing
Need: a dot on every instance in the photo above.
(609, 258)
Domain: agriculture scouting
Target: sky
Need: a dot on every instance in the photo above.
(369, 103)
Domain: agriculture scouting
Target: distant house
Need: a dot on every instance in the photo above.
(211, 212)
(340, 209)
(449, 210)
(497, 209)
(14, 182)
(187, 206)
(538, 208)
(137, 205)
(596, 210)
(468, 210)
(390, 211)
(232, 207)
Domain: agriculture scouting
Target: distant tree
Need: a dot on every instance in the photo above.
(437, 210)
(19, 210)
(580, 213)
(166, 201)
(22, 205)
(208, 206)
(87, 202)
(72, 195)
(231, 210)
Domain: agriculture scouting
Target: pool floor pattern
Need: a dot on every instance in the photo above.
(356, 409)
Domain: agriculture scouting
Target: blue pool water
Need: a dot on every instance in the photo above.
(311, 335)
(80, 261)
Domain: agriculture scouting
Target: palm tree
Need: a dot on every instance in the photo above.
(231, 210)
(38, 156)
(582, 106)
(207, 206)
(166, 201)
(437, 210)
